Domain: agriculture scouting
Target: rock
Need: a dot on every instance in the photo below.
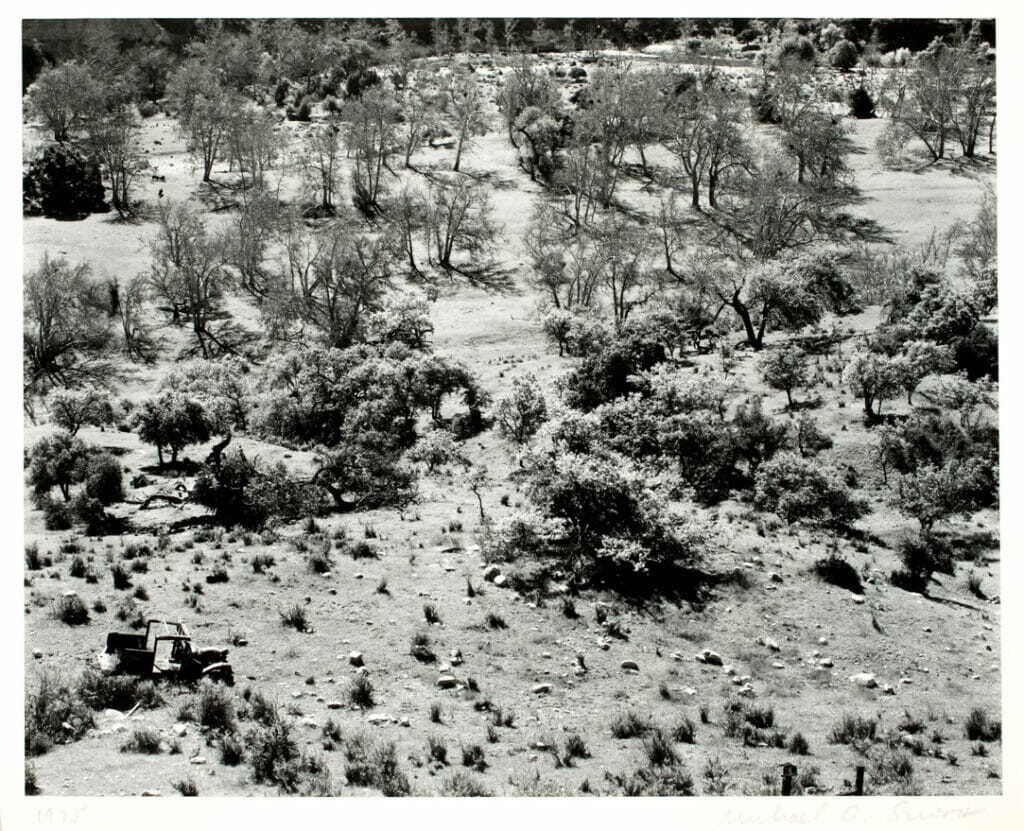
(888, 689)
(539, 689)
(456, 657)
(857, 598)
(445, 669)
(825, 662)
(906, 680)
(631, 665)
(747, 691)
(689, 691)
(710, 657)
(151, 793)
(326, 575)
(380, 718)
(500, 581)
(491, 572)
(823, 641)
(730, 670)
(446, 682)
(771, 644)
(335, 705)
(296, 694)
(356, 659)
(179, 729)
(677, 656)
(864, 679)
(775, 577)
(545, 654)
(309, 721)
(197, 760)
(778, 665)
(404, 721)
(109, 713)
(37, 653)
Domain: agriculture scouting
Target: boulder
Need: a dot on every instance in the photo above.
(500, 581)
(539, 689)
(864, 679)
(446, 682)
(356, 659)
(630, 665)
(491, 572)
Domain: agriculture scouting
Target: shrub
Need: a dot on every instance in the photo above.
(49, 706)
(295, 616)
(261, 562)
(103, 479)
(669, 780)
(854, 730)
(71, 610)
(122, 579)
(362, 550)
(214, 707)
(57, 516)
(142, 741)
(797, 48)
(186, 787)
(629, 725)
(784, 369)
(232, 751)
(843, 55)
(979, 727)
(837, 571)
(420, 648)
(576, 747)
(685, 731)
(798, 745)
(437, 750)
(800, 489)
(375, 767)
(31, 785)
(33, 560)
(473, 756)
(63, 183)
(520, 414)
(461, 783)
(360, 692)
(495, 621)
(430, 613)
(921, 556)
(862, 105)
(658, 749)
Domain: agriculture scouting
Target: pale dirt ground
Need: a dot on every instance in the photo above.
(948, 653)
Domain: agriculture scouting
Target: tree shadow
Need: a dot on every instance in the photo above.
(490, 278)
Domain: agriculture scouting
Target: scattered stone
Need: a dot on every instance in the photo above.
(456, 657)
(857, 598)
(709, 657)
(179, 729)
(689, 691)
(37, 653)
(446, 682)
(356, 659)
(778, 665)
(747, 691)
(539, 689)
(197, 760)
(327, 575)
(927, 629)
(906, 680)
(775, 577)
(864, 679)
(309, 721)
(151, 793)
(630, 665)
(500, 581)
(296, 694)
(823, 641)
(771, 644)
(737, 681)
(730, 670)
(491, 572)
(335, 705)
(825, 662)
(380, 718)
(677, 656)
(404, 721)
(109, 713)
(445, 669)
(888, 689)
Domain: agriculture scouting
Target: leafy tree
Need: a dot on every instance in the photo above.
(607, 372)
(64, 184)
(253, 144)
(930, 494)
(102, 476)
(796, 488)
(917, 361)
(221, 387)
(872, 378)
(810, 439)
(71, 409)
(757, 437)
(67, 332)
(113, 139)
(460, 221)
(188, 274)
(843, 55)
(57, 461)
(420, 115)
(404, 318)
(371, 138)
(437, 449)
(204, 109)
(64, 98)
(521, 413)
(785, 369)
(525, 87)
(465, 108)
(171, 421)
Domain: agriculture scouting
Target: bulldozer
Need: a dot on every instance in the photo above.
(165, 652)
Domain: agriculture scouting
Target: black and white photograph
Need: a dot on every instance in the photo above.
(512, 407)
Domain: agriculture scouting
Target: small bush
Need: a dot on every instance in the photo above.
(798, 745)
(974, 586)
(78, 567)
(362, 550)
(910, 724)
(186, 787)
(495, 621)
(658, 749)
(122, 580)
(630, 725)
(862, 105)
(430, 613)
(376, 767)
(50, 708)
(979, 727)
(218, 575)
(140, 593)
(71, 611)
(261, 562)
(320, 562)
(360, 692)
(684, 732)
(215, 707)
(295, 616)
(232, 751)
(420, 648)
(837, 571)
(118, 692)
(760, 717)
(435, 712)
(31, 785)
(57, 516)
(473, 756)
(142, 741)
(854, 730)
(576, 747)
(437, 750)
(463, 784)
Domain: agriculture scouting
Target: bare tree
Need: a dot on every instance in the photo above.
(370, 137)
(459, 221)
(253, 144)
(319, 159)
(204, 109)
(64, 98)
(464, 107)
(113, 139)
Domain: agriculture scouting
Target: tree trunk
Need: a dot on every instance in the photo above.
(458, 155)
